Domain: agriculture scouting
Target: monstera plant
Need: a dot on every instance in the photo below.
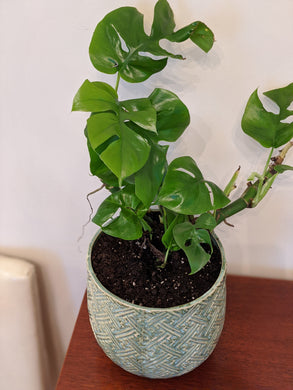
(128, 143)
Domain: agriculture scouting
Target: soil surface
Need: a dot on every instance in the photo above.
(129, 270)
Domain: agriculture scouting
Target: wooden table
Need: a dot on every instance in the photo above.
(255, 350)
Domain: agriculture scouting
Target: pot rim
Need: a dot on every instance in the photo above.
(187, 305)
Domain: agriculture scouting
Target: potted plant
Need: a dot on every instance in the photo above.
(156, 269)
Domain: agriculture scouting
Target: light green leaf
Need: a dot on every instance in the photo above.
(172, 115)
(95, 97)
(126, 155)
(266, 127)
(141, 112)
(168, 238)
(205, 221)
(280, 168)
(189, 239)
(124, 151)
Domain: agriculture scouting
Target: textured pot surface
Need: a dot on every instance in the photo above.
(154, 342)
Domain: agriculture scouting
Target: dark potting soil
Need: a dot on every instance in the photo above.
(129, 270)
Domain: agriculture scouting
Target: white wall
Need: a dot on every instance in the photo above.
(44, 163)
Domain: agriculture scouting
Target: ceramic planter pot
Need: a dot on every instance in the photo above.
(155, 342)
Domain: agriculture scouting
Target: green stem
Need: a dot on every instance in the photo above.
(117, 81)
(247, 199)
(165, 260)
(257, 198)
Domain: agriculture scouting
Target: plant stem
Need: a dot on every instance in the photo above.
(117, 81)
(257, 198)
(165, 260)
(247, 199)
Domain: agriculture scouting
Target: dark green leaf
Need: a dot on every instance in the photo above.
(99, 169)
(125, 25)
(172, 115)
(280, 168)
(202, 36)
(95, 97)
(283, 97)
(127, 225)
(149, 178)
(184, 190)
(219, 197)
(198, 32)
(264, 126)
(163, 23)
(189, 239)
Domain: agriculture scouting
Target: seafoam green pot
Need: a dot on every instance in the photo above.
(154, 342)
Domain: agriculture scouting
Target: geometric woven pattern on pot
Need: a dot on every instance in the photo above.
(157, 343)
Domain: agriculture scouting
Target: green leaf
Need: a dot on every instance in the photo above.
(127, 225)
(202, 36)
(163, 23)
(172, 115)
(119, 39)
(280, 168)
(95, 97)
(141, 112)
(189, 239)
(266, 127)
(283, 97)
(149, 178)
(185, 191)
(168, 238)
(99, 169)
(198, 32)
(126, 151)
(205, 221)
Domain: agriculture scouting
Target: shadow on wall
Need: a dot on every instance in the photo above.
(56, 308)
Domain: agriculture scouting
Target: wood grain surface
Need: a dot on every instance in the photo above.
(255, 351)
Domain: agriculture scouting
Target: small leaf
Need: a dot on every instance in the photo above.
(127, 225)
(168, 238)
(266, 127)
(198, 32)
(280, 168)
(95, 97)
(189, 239)
(202, 36)
(205, 221)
